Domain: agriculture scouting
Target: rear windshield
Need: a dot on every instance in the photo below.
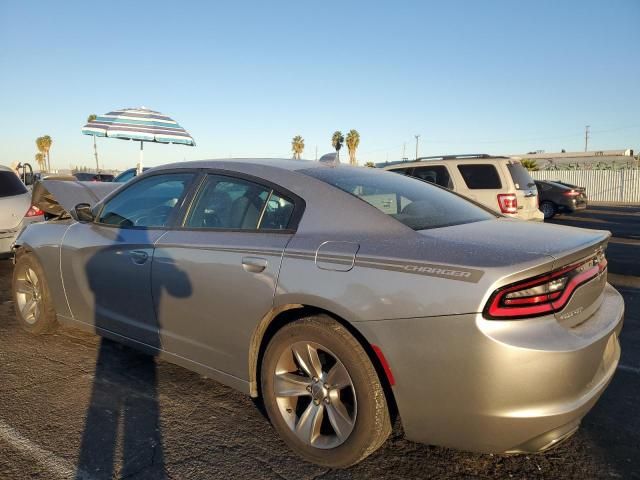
(11, 185)
(417, 204)
(521, 177)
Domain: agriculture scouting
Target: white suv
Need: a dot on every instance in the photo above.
(500, 183)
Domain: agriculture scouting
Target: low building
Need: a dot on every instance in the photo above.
(599, 159)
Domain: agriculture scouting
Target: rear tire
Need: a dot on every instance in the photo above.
(31, 296)
(548, 209)
(322, 393)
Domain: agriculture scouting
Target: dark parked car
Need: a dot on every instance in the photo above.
(558, 197)
(93, 177)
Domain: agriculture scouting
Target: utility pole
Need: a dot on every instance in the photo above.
(586, 137)
(316, 153)
(95, 152)
(417, 140)
(404, 150)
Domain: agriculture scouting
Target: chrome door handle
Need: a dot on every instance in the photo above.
(138, 256)
(254, 264)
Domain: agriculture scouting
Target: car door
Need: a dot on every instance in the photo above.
(230, 247)
(106, 264)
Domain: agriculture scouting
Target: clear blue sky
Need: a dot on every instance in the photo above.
(244, 77)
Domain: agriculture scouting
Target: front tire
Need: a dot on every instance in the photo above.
(548, 209)
(31, 296)
(322, 393)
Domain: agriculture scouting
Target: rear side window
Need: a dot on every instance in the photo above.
(236, 204)
(416, 204)
(11, 185)
(520, 175)
(480, 177)
(438, 174)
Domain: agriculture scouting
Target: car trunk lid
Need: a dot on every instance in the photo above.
(511, 251)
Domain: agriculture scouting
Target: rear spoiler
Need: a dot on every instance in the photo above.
(58, 195)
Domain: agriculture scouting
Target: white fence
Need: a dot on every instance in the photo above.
(619, 186)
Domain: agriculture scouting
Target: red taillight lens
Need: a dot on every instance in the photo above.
(34, 212)
(508, 202)
(571, 193)
(544, 294)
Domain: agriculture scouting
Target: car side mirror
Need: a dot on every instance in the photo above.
(82, 213)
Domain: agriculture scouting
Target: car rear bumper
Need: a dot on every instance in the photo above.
(498, 386)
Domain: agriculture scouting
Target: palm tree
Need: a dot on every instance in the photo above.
(297, 146)
(92, 118)
(337, 140)
(44, 146)
(40, 161)
(529, 164)
(353, 140)
(41, 148)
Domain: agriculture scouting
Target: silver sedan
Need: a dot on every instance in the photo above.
(342, 296)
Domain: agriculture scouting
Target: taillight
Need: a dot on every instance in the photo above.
(34, 212)
(508, 202)
(544, 294)
(571, 193)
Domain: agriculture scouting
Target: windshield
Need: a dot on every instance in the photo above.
(521, 177)
(11, 185)
(417, 204)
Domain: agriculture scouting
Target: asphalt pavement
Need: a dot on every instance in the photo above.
(75, 406)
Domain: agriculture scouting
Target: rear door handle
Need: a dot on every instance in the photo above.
(254, 264)
(138, 256)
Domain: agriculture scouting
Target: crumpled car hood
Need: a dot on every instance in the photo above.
(57, 196)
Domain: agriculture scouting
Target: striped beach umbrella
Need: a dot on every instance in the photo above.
(139, 124)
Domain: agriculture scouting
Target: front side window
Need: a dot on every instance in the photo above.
(236, 204)
(438, 174)
(416, 204)
(148, 203)
(480, 176)
(126, 176)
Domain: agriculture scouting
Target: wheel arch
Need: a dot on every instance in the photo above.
(285, 314)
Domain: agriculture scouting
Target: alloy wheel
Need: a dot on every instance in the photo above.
(28, 295)
(547, 210)
(315, 395)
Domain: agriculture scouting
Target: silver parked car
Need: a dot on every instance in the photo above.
(15, 209)
(340, 296)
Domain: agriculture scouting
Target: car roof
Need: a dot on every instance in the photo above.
(240, 164)
(4, 168)
(467, 158)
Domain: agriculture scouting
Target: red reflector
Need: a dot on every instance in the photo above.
(385, 364)
(34, 212)
(508, 202)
